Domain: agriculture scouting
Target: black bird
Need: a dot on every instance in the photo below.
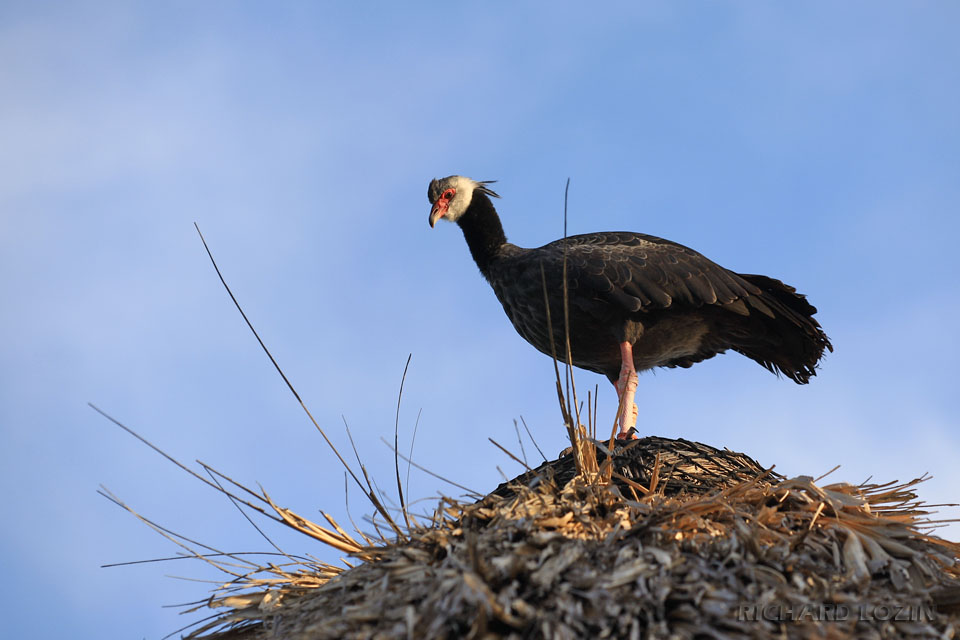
(634, 301)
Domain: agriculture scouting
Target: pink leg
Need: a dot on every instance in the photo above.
(626, 390)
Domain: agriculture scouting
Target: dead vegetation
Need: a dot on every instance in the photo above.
(663, 538)
(689, 542)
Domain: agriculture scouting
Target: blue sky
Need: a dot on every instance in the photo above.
(814, 142)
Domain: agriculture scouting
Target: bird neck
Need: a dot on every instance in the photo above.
(482, 230)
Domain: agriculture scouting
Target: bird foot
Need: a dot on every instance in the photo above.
(628, 434)
(619, 441)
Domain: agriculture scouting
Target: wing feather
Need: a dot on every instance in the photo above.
(637, 272)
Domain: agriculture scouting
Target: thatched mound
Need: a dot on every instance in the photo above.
(691, 468)
(668, 538)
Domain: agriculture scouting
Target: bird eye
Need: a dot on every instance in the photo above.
(448, 194)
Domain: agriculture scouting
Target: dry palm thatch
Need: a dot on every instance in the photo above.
(664, 538)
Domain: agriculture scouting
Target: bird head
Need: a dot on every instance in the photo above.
(451, 196)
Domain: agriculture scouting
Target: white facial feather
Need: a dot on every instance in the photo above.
(462, 198)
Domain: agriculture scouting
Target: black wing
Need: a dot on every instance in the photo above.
(638, 273)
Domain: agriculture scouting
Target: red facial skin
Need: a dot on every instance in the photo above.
(440, 206)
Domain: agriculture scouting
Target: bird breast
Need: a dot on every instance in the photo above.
(592, 323)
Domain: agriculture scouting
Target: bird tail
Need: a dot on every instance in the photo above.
(780, 332)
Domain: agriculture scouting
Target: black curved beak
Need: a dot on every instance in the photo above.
(435, 214)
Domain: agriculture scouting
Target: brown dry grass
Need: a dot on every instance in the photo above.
(666, 538)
